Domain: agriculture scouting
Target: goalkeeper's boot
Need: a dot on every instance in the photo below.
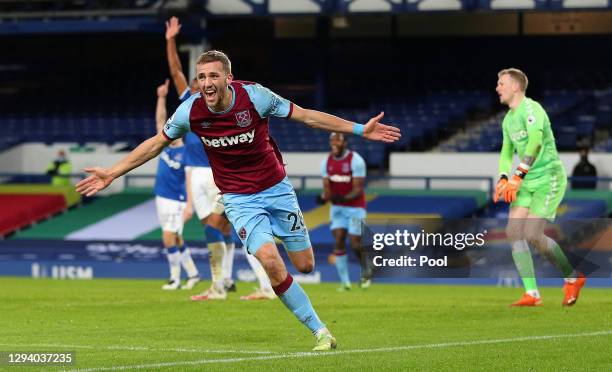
(210, 294)
(325, 342)
(260, 294)
(191, 282)
(572, 290)
(528, 300)
(171, 285)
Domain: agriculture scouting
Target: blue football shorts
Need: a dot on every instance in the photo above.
(259, 217)
(347, 218)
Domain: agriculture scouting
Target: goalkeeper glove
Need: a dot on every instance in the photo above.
(500, 187)
(513, 185)
(335, 199)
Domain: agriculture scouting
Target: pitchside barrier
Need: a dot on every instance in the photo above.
(70, 246)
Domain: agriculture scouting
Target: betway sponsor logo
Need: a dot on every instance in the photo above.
(225, 141)
(340, 179)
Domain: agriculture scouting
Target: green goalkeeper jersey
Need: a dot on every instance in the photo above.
(527, 132)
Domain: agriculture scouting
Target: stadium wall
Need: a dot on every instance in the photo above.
(33, 158)
(471, 164)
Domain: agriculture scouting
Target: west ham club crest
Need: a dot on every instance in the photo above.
(243, 118)
(242, 233)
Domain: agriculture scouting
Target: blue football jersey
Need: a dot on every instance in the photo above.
(170, 179)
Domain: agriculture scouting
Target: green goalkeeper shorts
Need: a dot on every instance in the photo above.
(543, 194)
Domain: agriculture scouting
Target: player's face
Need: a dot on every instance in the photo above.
(337, 144)
(213, 82)
(506, 87)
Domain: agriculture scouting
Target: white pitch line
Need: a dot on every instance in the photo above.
(141, 348)
(341, 352)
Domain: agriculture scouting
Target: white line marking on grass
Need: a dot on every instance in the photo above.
(141, 348)
(341, 352)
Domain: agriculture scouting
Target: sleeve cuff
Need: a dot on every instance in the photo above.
(167, 137)
(290, 110)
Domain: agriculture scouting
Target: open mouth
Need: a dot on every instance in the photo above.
(210, 94)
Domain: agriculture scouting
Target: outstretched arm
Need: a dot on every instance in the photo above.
(373, 130)
(173, 27)
(99, 178)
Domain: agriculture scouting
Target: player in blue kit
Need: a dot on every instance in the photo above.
(170, 202)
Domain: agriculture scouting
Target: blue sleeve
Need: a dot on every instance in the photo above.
(358, 166)
(268, 103)
(178, 124)
(186, 94)
(324, 168)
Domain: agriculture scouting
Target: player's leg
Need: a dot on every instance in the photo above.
(573, 281)
(204, 192)
(226, 229)
(356, 216)
(219, 223)
(292, 295)
(193, 276)
(264, 291)
(522, 255)
(547, 199)
(340, 258)
(338, 227)
(255, 217)
(168, 221)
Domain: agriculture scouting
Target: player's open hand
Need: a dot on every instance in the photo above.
(162, 90)
(374, 130)
(512, 189)
(173, 27)
(500, 189)
(99, 179)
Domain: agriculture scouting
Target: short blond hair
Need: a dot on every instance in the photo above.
(518, 76)
(214, 56)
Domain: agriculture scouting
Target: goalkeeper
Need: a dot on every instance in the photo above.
(534, 190)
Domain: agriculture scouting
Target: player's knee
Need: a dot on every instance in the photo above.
(514, 233)
(534, 239)
(169, 238)
(270, 259)
(306, 266)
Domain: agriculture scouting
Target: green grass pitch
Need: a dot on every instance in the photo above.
(132, 324)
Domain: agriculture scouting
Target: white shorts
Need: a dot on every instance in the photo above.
(170, 214)
(206, 195)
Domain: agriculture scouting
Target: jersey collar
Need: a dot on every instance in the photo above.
(346, 152)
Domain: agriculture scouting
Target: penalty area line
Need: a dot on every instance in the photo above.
(343, 352)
